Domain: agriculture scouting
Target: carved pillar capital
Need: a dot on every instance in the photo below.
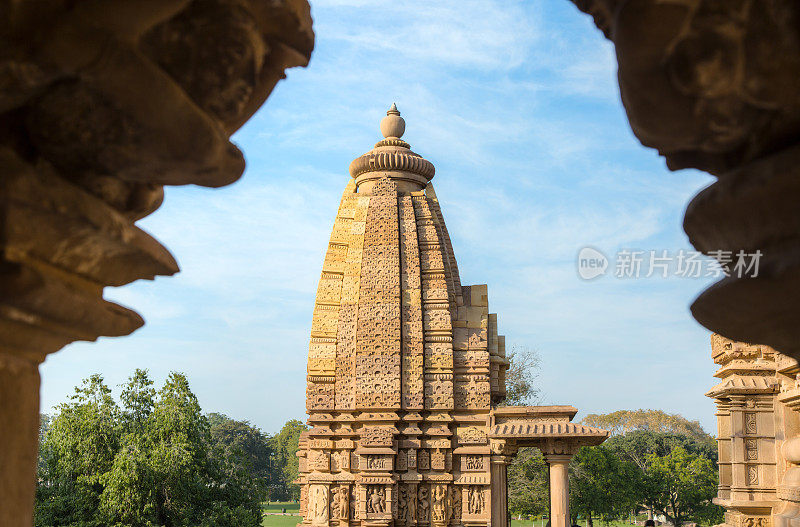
(560, 446)
(557, 458)
(502, 448)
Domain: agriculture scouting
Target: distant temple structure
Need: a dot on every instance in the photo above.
(406, 369)
(758, 431)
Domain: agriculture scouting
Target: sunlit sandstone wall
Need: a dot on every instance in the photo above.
(403, 362)
(758, 434)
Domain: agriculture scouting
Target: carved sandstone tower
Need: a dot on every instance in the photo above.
(404, 366)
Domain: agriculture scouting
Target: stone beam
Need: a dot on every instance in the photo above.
(101, 105)
(549, 429)
(712, 85)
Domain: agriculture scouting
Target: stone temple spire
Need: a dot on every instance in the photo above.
(404, 366)
(392, 158)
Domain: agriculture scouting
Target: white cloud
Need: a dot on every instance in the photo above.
(467, 33)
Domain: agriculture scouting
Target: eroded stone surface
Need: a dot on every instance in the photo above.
(710, 85)
(101, 105)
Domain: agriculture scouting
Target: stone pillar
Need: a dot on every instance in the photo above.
(499, 490)
(19, 436)
(84, 155)
(559, 489)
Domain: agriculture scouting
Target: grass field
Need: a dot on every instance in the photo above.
(582, 523)
(280, 521)
(277, 520)
(278, 506)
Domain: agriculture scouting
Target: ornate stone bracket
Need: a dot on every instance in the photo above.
(101, 105)
(711, 85)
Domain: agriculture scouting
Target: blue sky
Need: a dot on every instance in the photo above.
(517, 106)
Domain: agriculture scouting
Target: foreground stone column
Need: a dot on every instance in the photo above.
(712, 85)
(19, 437)
(559, 489)
(500, 490)
(110, 102)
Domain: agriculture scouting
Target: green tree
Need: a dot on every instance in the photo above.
(527, 484)
(623, 421)
(241, 454)
(643, 448)
(681, 485)
(649, 466)
(152, 462)
(137, 398)
(524, 364)
(285, 465)
(129, 494)
(602, 485)
(78, 448)
(243, 441)
(639, 444)
(179, 438)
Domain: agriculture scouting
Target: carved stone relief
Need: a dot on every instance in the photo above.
(376, 499)
(475, 501)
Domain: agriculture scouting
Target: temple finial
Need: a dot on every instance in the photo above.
(393, 125)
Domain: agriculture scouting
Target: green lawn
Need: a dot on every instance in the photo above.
(277, 520)
(582, 523)
(272, 520)
(280, 521)
(277, 506)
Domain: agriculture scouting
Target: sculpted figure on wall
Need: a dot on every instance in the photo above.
(424, 460)
(475, 497)
(343, 502)
(455, 499)
(439, 508)
(423, 503)
(334, 504)
(318, 502)
(376, 499)
(402, 504)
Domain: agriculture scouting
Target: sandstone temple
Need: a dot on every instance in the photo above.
(758, 431)
(406, 369)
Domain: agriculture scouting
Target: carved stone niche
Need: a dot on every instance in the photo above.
(101, 105)
(712, 85)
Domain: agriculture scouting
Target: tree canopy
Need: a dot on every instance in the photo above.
(624, 421)
(285, 463)
(152, 460)
(524, 364)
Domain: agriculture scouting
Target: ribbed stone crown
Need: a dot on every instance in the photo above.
(392, 157)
